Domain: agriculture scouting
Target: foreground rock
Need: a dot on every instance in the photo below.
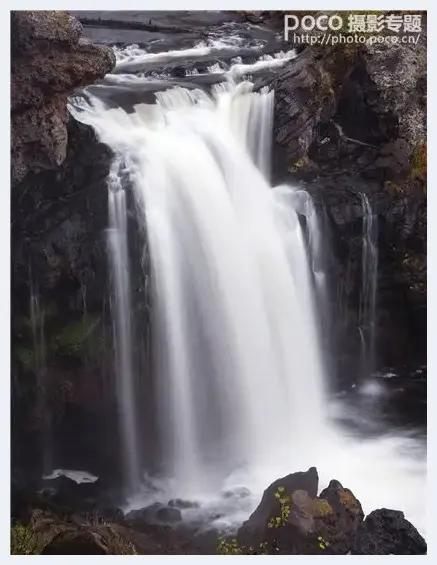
(292, 519)
(387, 532)
(49, 60)
(85, 535)
(253, 531)
(52, 530)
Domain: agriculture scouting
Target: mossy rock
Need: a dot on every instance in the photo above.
(322, 508)
(73, 338)
(24, 356)
(419, 163)
(24, 541)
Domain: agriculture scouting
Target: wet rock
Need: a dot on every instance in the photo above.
(112, 514)
(58, 222)
(146, 515)
(154, 514)
(75, 543)
(253, 531)
(293, 520)
(207, 541)
(387, 532)
(344, 504)
(182, 504)
(98, 539)
(350, 121)
(169, 515)
(59, 213)
(85, 497)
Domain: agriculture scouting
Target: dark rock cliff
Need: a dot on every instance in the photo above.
(352, 120)
(61, 387)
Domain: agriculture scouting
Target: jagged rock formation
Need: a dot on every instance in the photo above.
(49, 60)
(292, 519)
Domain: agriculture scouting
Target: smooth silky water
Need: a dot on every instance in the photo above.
(242, 392)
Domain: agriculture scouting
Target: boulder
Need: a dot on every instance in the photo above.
(104, 539)
(387, 532)
(75, 543)
(145, 515)
(344, 504)
(253, 531)
(293, 520)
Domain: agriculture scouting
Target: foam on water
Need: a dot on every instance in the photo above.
(135, 55)
(77, 476)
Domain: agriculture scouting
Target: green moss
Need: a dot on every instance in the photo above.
(351, 50)
(71, 339)
(24, 540)
(394, 188)
(24, 356)
(419, 163)
(117, 544)
(298, 165)
(230, 547)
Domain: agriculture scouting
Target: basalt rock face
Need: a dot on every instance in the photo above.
(49, 59)
(349, 120)
(63, 397)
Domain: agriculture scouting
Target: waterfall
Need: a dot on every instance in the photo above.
(236, 350)
(40, 367)
(367, 311)
(121, 308)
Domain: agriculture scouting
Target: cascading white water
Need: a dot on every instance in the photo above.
(121, 306)
(367, 311)
(236, 346)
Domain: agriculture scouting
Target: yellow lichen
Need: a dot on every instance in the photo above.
(394, 188)
(419, 163)
(346, 497)
(322, 508)
(298, 165)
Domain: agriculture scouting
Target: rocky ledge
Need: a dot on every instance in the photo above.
(49, 60)
(290, 519)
